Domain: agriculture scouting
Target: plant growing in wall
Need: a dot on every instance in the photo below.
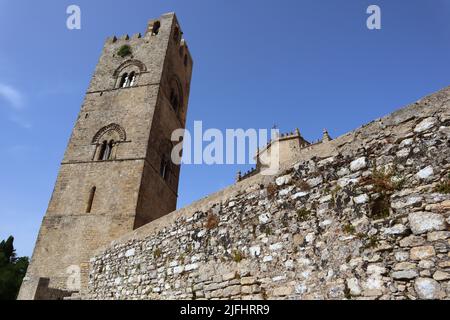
(237, 256)
(385, 184)
(271, 191)
(157, 253)
(303, 214)
(302, 185)
(212, 221)
(444, 186)
(349, 228)
(124, 51)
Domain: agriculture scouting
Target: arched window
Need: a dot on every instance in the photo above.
(123, 80)
(102, 152)
(128, 80)
(107, 141)
(132, 78)
(127, 74)
(91, 199)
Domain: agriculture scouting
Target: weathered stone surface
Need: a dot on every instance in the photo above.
(422, 222)
(314, 182)
(395, 230)
(229, 276)
(283, 291)
(438, 235)
(410, 202)
(231, 291)
(358, 164)
(283, 180)
(401, 256)
(422, 253)
(364, 198)
(299, 195)
(441, 276)
(404, 275)
(276, 246)
(130, 252)
(425, 173)
(412, 241)
(427, 288)
(353, 286)
(248, 281)
(376, 269)
(425, 124)
(445, 264)
(255, 251)
(405, 266)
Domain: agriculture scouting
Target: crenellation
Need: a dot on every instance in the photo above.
(136, 36)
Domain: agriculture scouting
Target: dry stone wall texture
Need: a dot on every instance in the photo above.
(365, 216)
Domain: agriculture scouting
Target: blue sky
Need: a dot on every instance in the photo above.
(309, 64)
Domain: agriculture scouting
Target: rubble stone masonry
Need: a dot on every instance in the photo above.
(364, 216)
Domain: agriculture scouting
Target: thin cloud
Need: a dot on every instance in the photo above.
(12, 96)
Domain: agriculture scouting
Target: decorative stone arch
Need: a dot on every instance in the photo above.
(107, 141)
(127, 74)
(133, 62)
(113, 131)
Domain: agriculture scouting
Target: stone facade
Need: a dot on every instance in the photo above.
(364, 216)
(115, 176)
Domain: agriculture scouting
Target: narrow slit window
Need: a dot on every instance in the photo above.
(91, 199)
(164, 170)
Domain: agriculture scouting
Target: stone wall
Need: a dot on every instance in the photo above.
(365, 216)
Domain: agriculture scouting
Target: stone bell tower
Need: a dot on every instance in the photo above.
(117, 173)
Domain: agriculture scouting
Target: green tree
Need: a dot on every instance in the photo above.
(7, 247)
(12, 270)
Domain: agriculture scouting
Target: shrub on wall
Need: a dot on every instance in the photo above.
(124, 51)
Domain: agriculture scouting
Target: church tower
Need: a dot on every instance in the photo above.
(117, 173)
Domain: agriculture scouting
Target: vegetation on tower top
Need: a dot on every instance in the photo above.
(124, 51)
